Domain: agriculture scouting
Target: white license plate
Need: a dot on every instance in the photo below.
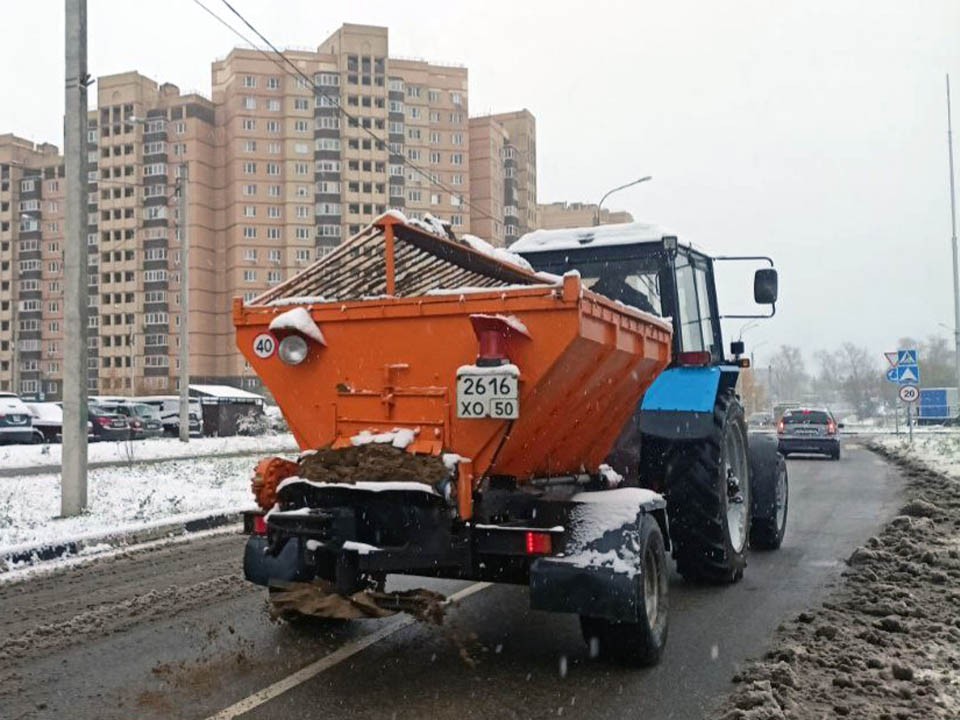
(488, 395)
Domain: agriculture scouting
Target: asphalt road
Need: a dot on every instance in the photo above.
(173, 632)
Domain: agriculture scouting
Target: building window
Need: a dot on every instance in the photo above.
(303, 255)
(250, 211)
(249, 275)
(273, 169)
(274, 256)
(273, 191)
(435, 158)
(456, 98)
(273, 233)
(456, 158)
(457, 138)
(249, 189)
(413, 154)
(273, 211)
(250, 103)
(273, 105)
(273, 83)
(414, 196)
(249, 146)
(249, 81)
(328, 79)
(250, 254)
(250, 168)
(249, 232)
(301, 104)
(302, 233)
(273, 127)
(249, 124)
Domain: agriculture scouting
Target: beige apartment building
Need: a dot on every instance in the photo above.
(574, 214)
(282, 166)
(503, 152)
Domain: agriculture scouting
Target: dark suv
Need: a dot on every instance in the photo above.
(809, 430)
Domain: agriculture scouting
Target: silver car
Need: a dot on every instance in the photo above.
(809, 430)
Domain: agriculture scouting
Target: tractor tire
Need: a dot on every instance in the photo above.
(641, 643)
(770, 493)
(708, 498)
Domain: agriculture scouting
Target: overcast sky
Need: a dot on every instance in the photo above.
(811, 131)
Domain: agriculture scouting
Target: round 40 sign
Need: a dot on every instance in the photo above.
(909, 393)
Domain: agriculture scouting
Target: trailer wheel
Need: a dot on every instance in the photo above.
(708, 498)
(770, 486)
(640, 643)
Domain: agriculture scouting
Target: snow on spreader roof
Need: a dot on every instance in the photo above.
(598, 236)
(426, 258)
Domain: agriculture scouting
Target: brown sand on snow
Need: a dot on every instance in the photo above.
(886, 645)
(374, 462)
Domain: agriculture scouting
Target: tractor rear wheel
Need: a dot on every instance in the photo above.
(708, 498)
(640, 643)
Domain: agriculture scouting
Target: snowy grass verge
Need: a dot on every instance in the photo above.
(122, 500)
(937, 453)
(30, 457)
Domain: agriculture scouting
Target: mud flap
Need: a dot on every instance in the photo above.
(262, 569)
(559, 585)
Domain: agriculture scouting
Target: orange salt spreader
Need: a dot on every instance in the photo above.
(519, 374)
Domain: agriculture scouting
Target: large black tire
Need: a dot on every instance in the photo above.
(770, 493)
(708, 498)
(637, 644)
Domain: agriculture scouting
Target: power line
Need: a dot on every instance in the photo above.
(336, 102)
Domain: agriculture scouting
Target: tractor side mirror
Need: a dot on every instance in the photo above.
(765, 286)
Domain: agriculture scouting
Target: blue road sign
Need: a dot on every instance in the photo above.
(907, 357)
(908, 374)
(892, 375)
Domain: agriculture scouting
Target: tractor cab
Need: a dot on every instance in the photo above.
(646, 267)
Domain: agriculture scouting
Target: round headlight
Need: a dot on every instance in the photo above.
(293, 349)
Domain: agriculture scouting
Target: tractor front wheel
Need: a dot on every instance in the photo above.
(708, 498)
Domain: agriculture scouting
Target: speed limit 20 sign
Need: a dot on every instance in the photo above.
(909, 393)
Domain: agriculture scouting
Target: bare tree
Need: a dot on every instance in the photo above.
(788, 376)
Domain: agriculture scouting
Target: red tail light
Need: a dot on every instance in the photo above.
(831, 427)
(539, 543)
(259, 525)
(103, 421)
(694, 359)
(780, 426)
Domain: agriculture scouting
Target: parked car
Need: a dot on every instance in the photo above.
(809, 430)
(143, 420)
(48, 421)
(107, 425)
(16, 421)
(169, 408)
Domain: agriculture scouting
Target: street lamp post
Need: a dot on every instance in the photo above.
(596, 219)
(953, 242)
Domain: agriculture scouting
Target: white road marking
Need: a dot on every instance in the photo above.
(328, 661)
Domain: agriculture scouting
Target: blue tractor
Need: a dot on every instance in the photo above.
(725, 490)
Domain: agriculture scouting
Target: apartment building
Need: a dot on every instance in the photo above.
(282, 166)
(31, 265)
(503, 149)
(576, 214)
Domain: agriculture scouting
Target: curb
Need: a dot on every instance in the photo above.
(44, 552)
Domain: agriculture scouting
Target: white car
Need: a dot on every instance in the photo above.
(16, 421)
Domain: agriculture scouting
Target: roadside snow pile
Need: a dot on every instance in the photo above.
(122, 499)
(887, 643)
(29, 457)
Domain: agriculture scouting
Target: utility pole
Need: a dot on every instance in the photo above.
(182, 184)
(953, 240)
(73, 482)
